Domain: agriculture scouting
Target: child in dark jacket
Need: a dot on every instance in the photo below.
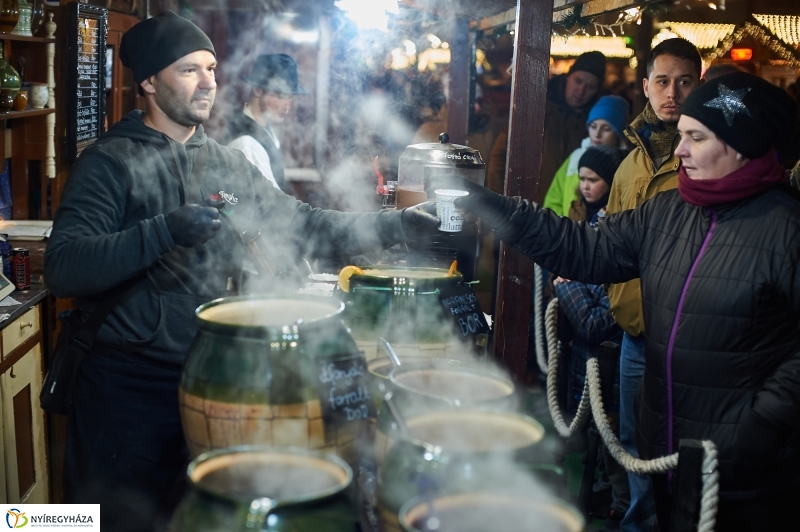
(585, 309)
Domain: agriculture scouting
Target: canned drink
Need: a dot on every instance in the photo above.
(22, 268)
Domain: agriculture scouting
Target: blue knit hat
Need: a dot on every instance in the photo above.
(612, 109)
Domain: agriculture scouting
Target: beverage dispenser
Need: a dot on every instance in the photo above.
(418, 164)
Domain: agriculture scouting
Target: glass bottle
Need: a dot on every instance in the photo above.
(37, 15)
(23, 26)
(9, 77)
(9, 15)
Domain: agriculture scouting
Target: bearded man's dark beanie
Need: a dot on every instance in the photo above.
(155, 43)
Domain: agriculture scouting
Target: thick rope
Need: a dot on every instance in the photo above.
(538, 289)
(630, 463)
(710, 494)
(554, 350)
(710, 497)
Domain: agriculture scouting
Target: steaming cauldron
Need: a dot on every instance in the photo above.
(251, 376)
(454, 450)
(266, 489)
(402, 305)
(440, 383)
(498, 512)
(379, 369)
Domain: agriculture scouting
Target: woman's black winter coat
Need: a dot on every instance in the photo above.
(721, 299)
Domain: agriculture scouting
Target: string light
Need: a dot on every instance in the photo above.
(761, 35)
(701, 35)
(784, 27)
(575, 45)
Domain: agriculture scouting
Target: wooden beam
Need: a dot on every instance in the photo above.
(506, 17)
(525, 142)
(458, 93)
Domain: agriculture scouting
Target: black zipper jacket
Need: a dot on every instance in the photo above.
(721, 300)
(110, 227)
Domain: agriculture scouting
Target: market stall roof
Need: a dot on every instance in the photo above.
(779, 33)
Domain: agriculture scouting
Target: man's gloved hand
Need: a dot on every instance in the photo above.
(419, 220)
(493, 208)
(193, 225)
(756, 453)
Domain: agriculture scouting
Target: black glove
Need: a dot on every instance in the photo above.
(756, 453)
(419, 220)
(193, 225)
(495, 209)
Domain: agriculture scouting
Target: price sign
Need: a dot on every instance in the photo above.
(86, 77)
(343, 391)
(461, 304)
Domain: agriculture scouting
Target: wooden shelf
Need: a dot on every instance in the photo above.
(27, 113)
(9, 37)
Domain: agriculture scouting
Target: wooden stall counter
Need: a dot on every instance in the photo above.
(23, 449)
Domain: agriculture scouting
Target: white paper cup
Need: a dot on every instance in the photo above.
(451, 220)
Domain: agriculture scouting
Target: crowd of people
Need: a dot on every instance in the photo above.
(696, 236)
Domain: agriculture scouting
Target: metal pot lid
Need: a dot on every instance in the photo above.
(443, 154)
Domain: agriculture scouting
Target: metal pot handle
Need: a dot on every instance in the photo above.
(258, 512)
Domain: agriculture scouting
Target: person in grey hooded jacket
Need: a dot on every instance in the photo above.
(157, 204)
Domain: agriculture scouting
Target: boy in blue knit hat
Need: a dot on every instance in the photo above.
(607, 120)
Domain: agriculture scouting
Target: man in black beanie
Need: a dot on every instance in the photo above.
(570, 97)
(153, 215)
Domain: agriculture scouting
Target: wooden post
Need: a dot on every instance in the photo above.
(458, 97)
(644, 36)
(688, 486)
(525, 139)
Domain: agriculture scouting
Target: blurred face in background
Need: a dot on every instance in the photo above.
(274, 106)
(668, 84)
(703, 155)
(592, 186)
(581, 88)
(601, 133)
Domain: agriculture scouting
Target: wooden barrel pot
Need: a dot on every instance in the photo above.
(402, 305)
(252, 376)
(455, 450)
(498, 512)
(267, 489)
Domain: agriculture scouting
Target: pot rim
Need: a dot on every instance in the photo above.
(465, 367)
(375, 279)
(567, 510)
(438, 449)
(318, 496)
(203, 322)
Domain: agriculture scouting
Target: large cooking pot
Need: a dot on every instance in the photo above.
(251, 375)
(266, 489)
(498, 512)
(454, 450)
(436, 383)
(402, 305)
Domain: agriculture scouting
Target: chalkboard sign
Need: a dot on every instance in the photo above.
(86, 76)
(343, 392)
(461, 304)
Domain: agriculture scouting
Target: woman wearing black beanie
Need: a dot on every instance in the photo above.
(719, 262)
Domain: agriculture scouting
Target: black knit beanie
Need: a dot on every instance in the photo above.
(155, 43)
(603, 160)
(591, 62)
(748, 113)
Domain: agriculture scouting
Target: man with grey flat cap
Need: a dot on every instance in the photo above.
(152, 217)
(273, 82)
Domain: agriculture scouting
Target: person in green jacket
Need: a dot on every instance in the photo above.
(607, 120)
